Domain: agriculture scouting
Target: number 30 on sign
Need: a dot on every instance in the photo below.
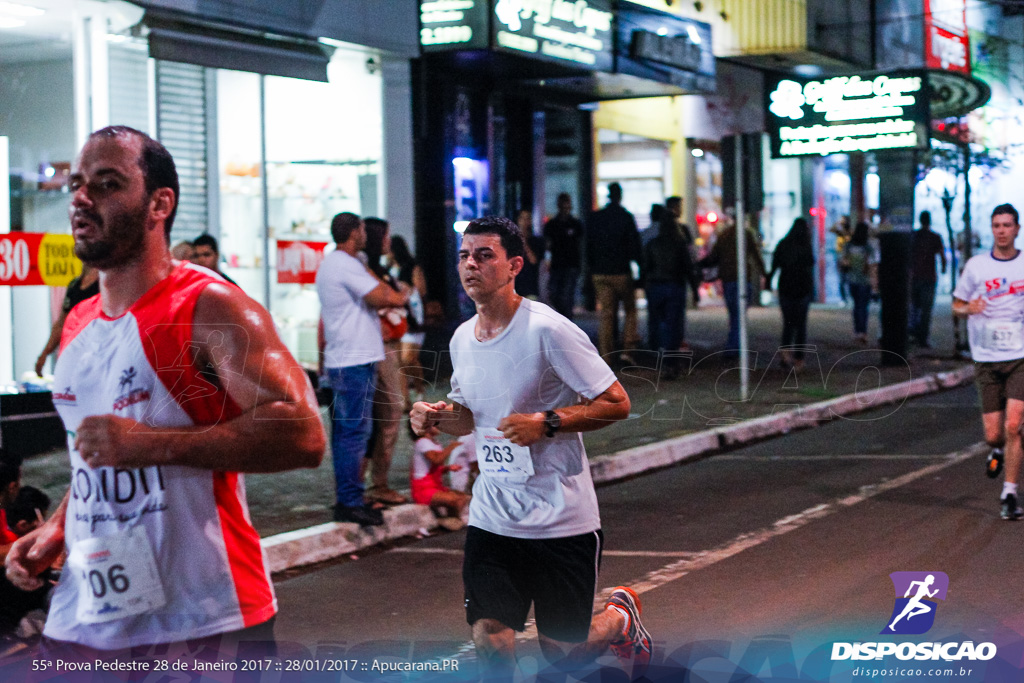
(33, 258)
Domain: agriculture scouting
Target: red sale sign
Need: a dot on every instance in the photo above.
(35, 258)
(297, 261)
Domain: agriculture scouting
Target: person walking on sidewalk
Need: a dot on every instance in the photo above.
(535, 531)
(858, 259)
(388, 401)
(927, 245)
(564, 235)
(350, 347)
(176, 384)
(725, 257)
(612, 242)
(667, 271)
(990, 294)
(794, 261)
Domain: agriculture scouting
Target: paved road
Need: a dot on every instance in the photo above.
(780, 549)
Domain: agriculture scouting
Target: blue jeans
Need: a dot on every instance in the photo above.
(562, 289)
(351, 420)
(731, 292)
(861, 294)
(666, 313)
(922, 300)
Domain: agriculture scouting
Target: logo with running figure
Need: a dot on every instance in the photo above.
(127, 396)
(127, 377)
(916, 595)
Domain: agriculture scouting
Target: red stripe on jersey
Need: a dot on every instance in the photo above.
(245, 557)
(78, 317)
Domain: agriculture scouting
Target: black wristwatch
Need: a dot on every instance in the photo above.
(552, 423)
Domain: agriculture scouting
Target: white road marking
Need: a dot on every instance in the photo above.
(604, 553)
(702, 560)
(830, 457)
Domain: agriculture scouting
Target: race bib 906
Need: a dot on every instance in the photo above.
(117, 576)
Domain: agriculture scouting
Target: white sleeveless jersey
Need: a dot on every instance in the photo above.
(206, 555)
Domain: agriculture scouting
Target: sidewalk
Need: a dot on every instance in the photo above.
(704, 398)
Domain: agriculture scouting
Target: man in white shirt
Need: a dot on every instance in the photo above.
(527, 381)
(990, 294)
(350, 348)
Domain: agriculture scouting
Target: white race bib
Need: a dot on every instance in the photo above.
(117, 576)
(498, 457)
(1003, 335)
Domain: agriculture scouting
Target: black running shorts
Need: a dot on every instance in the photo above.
(998, 381)
(503, 575)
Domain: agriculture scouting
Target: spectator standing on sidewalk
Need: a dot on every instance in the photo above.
(86, 285)
(388, 402)
(535, 530)
(794, 261)
(926, 246)
(528, 280)
(350, 348)
(564, 235)
(723, 255)
(667, 270)
(206, 253)
(859, 259)
(613, 241)
(407, 270)
(842, 232)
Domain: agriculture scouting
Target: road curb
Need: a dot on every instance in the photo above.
(331, 540)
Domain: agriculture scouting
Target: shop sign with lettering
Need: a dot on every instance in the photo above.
(847, 114)
(663, 47)
(946, 42)
(573, 31)
(297, 261)
(35, 258)
(454, 24)
(577, 32)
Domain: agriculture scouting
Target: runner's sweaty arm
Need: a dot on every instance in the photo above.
(279, 426)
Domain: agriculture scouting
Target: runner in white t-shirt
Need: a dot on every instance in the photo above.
(527, 381)
(990, 294)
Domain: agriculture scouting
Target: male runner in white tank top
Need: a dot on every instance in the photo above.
(172, 384)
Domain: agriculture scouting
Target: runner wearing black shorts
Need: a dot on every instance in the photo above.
(526, 382)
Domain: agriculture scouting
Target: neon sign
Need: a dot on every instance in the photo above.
(847, 114)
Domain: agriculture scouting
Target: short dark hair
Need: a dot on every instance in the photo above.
(614, 192)
(24, 506)
(1006, 208)
(674, 200)
(206, 240)
(343, 225)
(157, 164)
(509, 233)
(10, 471)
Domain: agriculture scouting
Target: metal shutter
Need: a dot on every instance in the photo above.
(129, 86)
(181, 105)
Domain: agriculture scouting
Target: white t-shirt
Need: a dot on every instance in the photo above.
(996, 334)
(541, 361)
(351, 327)
(463, 455)
(420, 465)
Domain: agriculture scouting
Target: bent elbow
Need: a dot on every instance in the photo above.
(310, 452)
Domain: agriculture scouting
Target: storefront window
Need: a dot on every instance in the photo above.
(323, 156)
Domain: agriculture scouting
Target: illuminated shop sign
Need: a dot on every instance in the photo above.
(577, 31)
(453, 24)
(568, 31)
(847, 114)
